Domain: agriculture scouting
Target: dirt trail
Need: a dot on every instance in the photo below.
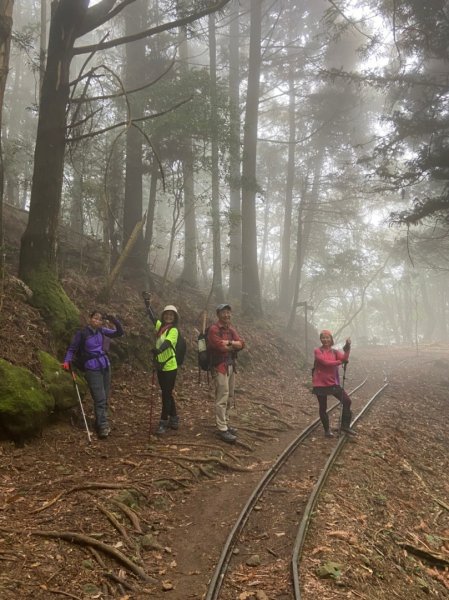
(187, 488)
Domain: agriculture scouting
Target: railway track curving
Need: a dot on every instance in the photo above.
(285, 496)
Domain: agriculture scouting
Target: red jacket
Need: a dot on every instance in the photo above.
(222, 357)
(327, 361)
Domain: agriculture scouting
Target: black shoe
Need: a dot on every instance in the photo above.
(163, 427)
(349, 431)
(227, 436)
(173, 422)
(232, 430)
(328, 434)
(104, 432)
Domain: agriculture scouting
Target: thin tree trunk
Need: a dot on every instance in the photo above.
(6, 7)
(284, 283)
(235, 208)
(136, 64)
(251, 298)
(190, 267)
(217, 281)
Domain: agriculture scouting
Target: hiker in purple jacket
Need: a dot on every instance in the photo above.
(90, 346)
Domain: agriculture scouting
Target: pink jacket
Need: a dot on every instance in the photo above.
(325, 372)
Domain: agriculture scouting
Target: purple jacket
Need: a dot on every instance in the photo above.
(96, 345)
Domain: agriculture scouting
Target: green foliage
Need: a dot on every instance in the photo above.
(24, 404)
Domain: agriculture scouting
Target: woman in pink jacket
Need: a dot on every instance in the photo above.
(326, 381)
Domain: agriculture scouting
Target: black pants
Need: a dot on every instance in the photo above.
(343, 397)
(167, 382)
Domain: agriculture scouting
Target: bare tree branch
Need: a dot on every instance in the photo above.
(154, 30)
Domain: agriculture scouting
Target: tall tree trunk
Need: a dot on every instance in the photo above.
(190, 267)
(251, 298)
(135, 20)
(235, 208)
(43, 44)
(6, 7)
(38, 246)
(284, 284)
(217, 280)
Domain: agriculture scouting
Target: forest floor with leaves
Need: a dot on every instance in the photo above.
(136, 516)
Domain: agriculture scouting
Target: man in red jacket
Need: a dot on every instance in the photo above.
(223, 343)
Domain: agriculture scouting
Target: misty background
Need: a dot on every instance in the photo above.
(285, 154)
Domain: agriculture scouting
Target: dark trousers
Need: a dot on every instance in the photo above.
(99, 383)
(167, 381)
(343, 397)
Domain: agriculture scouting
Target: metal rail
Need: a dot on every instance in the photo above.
(304, 525)
(226, 554)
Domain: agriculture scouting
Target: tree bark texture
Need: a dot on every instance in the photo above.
(38, 247)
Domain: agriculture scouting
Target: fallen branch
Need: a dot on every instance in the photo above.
(53, 591)
(85, 540)
(431, 557)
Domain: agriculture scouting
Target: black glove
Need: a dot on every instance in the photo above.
(109, 318)
(155, 352)
(346, 347)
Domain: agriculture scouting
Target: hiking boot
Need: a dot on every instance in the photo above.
(173, 422)
(227, 436)
(163, 427)
(104, 432)
(347, 429)
(329, 434)
(232, 430)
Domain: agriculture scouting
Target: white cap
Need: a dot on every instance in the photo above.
(170, 307)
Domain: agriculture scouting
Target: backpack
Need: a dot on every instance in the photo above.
(80, 357)
(204, 362)
(181, 349)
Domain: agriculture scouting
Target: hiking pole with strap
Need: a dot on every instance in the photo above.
(151, 403)
(341, 397)
(81, 404)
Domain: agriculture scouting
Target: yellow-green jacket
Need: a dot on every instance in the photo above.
(167, 358)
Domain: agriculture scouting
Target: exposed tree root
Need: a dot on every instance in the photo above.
(120, 581)
(85, 540)
(114, 522)
(202, 459)
(53, 591)
(211, 447)
(130, 513)
(95, 485)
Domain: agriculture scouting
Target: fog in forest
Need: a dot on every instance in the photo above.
(289, 156)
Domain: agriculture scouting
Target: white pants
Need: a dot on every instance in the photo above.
(224, 393)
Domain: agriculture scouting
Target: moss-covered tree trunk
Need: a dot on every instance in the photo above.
(38, 247)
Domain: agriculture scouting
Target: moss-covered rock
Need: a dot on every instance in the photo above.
(24, 404)
(55, 306)
(58, 383)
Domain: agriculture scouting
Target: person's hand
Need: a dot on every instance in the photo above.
(348, 341)
(110, 318)
(154, 352)
(66, 366)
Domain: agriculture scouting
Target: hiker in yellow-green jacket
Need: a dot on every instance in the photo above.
(165, 362)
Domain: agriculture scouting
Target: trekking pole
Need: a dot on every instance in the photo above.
(151, 405)
(81, 404)
(341, 398)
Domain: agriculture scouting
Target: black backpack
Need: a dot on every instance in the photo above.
(181, 349)
(80, 356)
